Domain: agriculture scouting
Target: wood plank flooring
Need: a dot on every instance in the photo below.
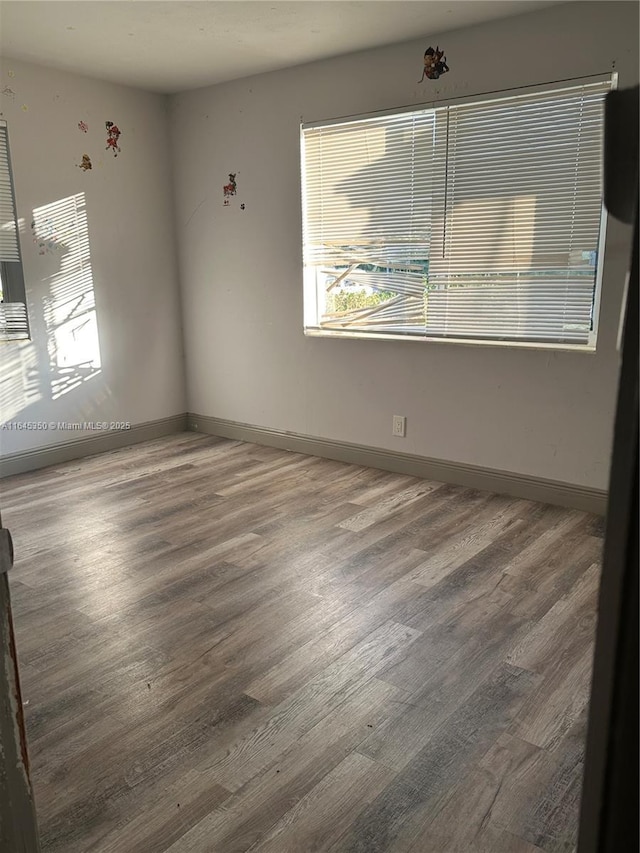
(229, 648)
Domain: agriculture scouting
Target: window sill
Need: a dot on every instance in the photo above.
(312, 332)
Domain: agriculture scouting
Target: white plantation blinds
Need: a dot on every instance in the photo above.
(477, 221)
(13, 312)
(522, 208)
(9, 249)
(368, 188)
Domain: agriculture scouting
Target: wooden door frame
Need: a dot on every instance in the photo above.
(18, 825)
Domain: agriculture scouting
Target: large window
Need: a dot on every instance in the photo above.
(478, 221)
(13, 309)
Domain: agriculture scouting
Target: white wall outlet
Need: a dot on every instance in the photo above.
(399, 426)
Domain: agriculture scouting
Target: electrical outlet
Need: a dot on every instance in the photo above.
(399, 426)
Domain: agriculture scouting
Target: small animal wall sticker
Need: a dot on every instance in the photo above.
(113, 135)
(435, 64)
(83, 126)
(86, 163)
(230, 189)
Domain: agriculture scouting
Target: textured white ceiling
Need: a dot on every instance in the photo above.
(173, 45)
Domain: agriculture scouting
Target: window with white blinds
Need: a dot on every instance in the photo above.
(14, 323)
(480, 221)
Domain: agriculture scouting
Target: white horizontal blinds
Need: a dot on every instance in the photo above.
(9, 248)
(14, 323)
(518, 236)
(367, 219)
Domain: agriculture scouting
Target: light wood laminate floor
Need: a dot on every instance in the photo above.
(229, 648)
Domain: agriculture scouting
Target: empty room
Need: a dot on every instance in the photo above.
(310, 351)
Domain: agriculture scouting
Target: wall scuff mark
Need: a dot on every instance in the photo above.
(45, 236)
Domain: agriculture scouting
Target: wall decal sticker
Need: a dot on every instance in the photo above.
(11, 73)
(242, 207)
(83, 126)
(230, 189)
(8, 91)
(24, 108)
(113, 135)
(86, 163)
(435, 64)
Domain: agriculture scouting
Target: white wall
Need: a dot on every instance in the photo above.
(128, 262)
(525, 411)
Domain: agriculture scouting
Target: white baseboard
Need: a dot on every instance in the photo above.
(472, 476)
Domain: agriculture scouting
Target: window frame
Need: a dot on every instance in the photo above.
(311, 290)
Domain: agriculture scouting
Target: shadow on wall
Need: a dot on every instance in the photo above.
(407, 246)
(63, 354)
(442, 228)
